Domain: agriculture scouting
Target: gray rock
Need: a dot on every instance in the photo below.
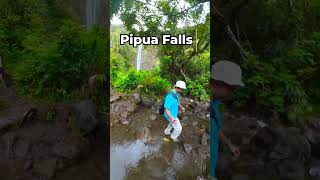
(153, 117)
(13, 116)
(125, 122)
(312, 136)
(314, 171)
(178, 159)
(202, 116)
(85, 115)
(188, 148)
(114, 98)
(262, 124)
(200, 178)
(124, 114)
(147, 102)
(137, 98)
(185, 120)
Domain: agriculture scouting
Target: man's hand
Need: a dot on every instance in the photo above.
(173, 120)
(235, 150)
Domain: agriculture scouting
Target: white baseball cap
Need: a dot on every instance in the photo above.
(181, 84)
(227, 72)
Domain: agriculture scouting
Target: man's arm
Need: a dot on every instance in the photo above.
(234, 149)
(170, 116)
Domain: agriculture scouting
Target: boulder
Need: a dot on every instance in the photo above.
(188, 148)
(179, 159)
(14, 116)
(153, 117)
(185, 120)
(136, 97)
(280, 144)
(315, 171)
(84, 113)
(147, 102)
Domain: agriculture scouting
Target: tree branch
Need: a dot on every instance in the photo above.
(222, 20)
(195, 53)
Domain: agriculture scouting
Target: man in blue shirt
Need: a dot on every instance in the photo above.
(171, 110)
(226, 76)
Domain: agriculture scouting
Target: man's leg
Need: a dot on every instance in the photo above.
(177, 129)
(167, 131)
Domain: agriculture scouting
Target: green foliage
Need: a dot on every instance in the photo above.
(189, 63)
(279, 83)
(61, 66)
(283, 41)
(146, 82)
(117, 64)
(48, 53)
(152, 17)
(199, 87)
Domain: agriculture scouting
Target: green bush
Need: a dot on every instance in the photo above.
(146, 82)
(57, 69)
(274, 86)
(117, 64)
(199, 87)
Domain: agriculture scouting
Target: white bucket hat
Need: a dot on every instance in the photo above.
(181, 84)
(227, 72)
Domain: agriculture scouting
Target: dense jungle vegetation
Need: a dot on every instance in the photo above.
(277, 43)
(174, 62)
(48, 55)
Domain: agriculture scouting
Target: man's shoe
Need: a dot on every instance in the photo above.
(174, 140)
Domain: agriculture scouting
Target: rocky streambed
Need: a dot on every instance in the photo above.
(268, 149)
(138, 150)
(62, 141)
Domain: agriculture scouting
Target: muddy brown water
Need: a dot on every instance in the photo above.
(137, 154)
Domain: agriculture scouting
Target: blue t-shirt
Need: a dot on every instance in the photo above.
(215, 126)
(172, 104)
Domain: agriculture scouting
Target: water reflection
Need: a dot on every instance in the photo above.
(126, 156)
